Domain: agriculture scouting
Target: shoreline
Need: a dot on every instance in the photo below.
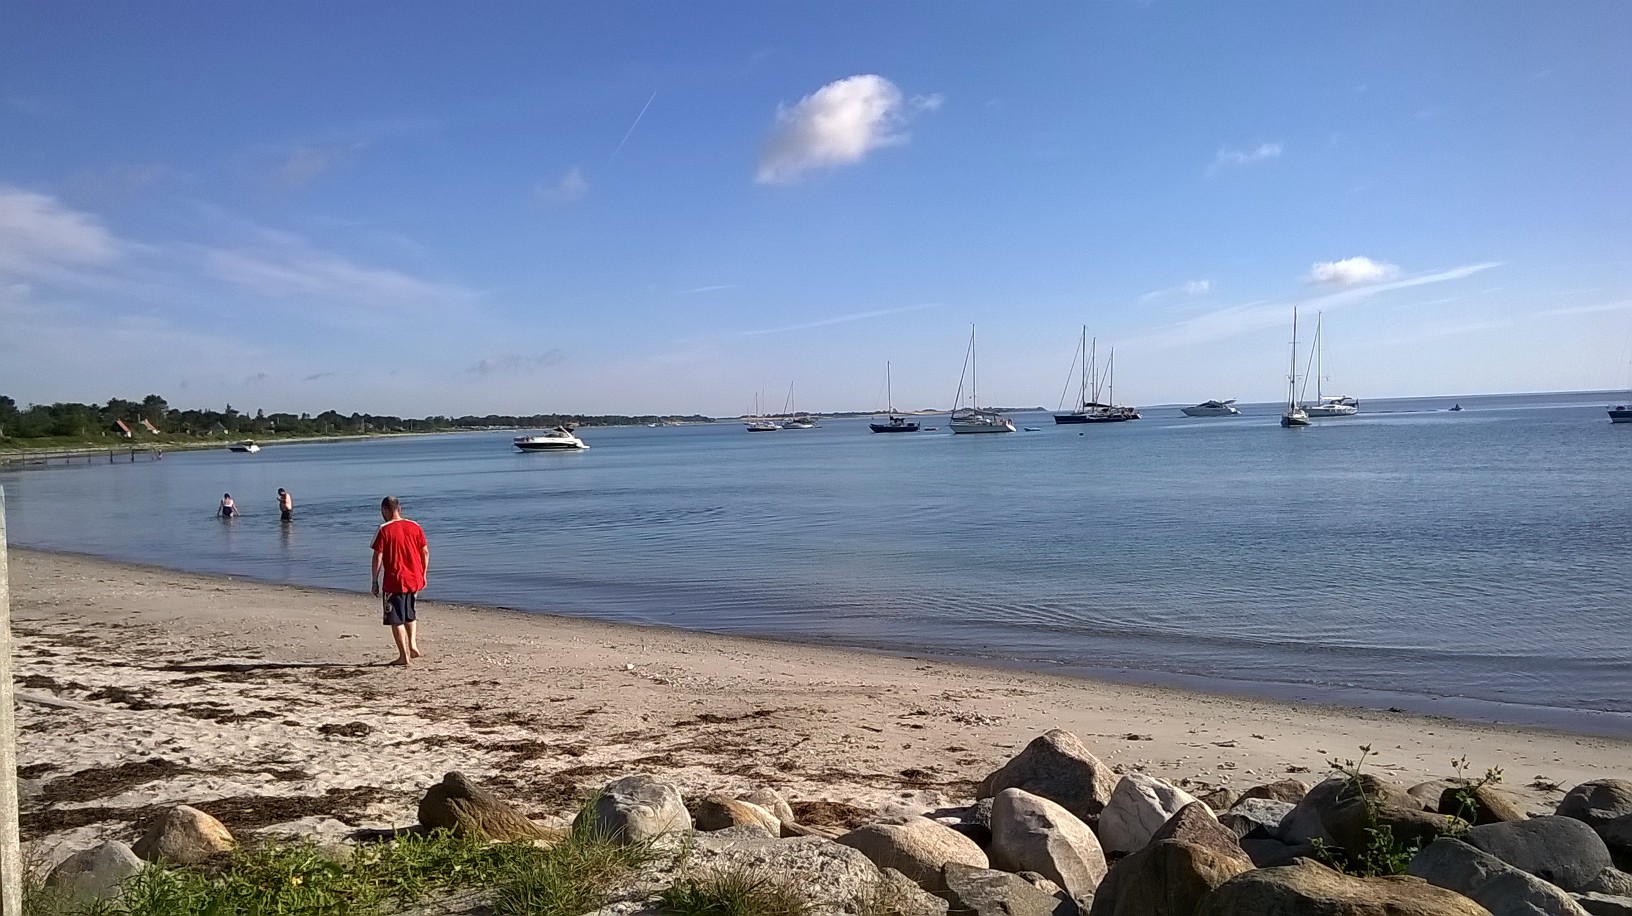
(144, 687)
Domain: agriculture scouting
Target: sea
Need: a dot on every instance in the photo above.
(1471, 564)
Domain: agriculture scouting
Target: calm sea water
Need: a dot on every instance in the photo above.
(1472, 563)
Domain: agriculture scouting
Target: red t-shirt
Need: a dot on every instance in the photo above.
(402, 544)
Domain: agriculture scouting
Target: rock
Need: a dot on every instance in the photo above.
(184, 836)
(1057, 766)
(1431, 791)
(1139, 806)
(790, 830)
(1367, 802)
(1270, 853)
(917, 847)
(1562, 850)
(1290, 791)
(1196, 825)
(1031, 833)
(95, 873)
(986, 892)
(836, 876)
(1219, 799)
(1610, 881)
(1604, 904)
(898, 895)
(1259, 818)
(1598, 801)
(1303, 824)
(717, 812)
(980, 834)
(1043, 884)
(1488, 881)
(1309, 889)
(459, 805)
(981, 812)
(1166, 877)
(1484, 804)
(1617, 835)
(635, 809)
(772, 801)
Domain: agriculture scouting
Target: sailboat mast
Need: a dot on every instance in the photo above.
(1082, 392)
(1320, 318)
(889, 389)
(1292, 366)
(974, 378)
(1111, 371)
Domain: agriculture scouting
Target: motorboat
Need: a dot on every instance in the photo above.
(246, 447)
(973, 419)
(1333, 406)
(1225, 408)
(1294, 416)
(893, 424)
(1621, 413)
(559, 439)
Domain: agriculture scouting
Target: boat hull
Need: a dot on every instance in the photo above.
(1210, 411)
(573, 446)
(1293, 421)
(980, 428)
(893, 427)
(1332, 412)
(1620, 414)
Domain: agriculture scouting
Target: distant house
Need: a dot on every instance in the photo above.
(216, 429)
(123, 428)
(149, 427)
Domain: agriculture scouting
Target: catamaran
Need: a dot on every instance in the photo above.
(973, 419)
(894, 424)
(1326, 406)
(1294, 416)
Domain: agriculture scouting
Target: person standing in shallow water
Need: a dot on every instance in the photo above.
(228, 507)
(401, 558)
(286, 505)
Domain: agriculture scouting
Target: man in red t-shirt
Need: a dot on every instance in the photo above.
(401, 557)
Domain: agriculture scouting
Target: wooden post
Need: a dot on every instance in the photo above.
(11, 853)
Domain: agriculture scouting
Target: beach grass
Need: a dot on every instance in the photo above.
(733, 893)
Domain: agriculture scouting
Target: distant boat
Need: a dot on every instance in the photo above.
(759, 423)
(791, 420)
(1327, 406)
(894, 424)
(1224, 408)
(973, 419)
(1092, 410)
(1621, 413)
(559, 439)
(246, 447)
(1455, 408)
(1086, 379)
(1294, 416)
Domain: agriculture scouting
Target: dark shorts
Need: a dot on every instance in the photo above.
(399, 609)
(287, 515)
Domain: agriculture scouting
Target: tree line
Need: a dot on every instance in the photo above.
(84, 421)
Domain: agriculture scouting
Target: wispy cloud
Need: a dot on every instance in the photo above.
(306, 163)
(571, 187)
(1234, 158)
(631, 131)
(39, 236)
(1620, 306)
(317, 375)
(508, 363)
(292, 269)
(838, 124)
(707, 289)
(837, 319)
(1351, 272)
(1187, 289)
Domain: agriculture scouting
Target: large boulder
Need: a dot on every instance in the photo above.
(1561, 850)
(460, 805)
(1481, 805)
(1031, 833)
(1617, 835)
(1196, 825)
(1268, 853)
(988, 892)
(836, 877)
(95, 873)
(1366, 803)
(1309, 889)
(1598, 801)
(1258, 818)
(772, 801)
(635, 809)
(916, 847)
(1139, 806)
(1489, 882)
(1305, 823)
(1611, 881)
(184, 836)
(1166, 878)
(1290, 791)
(719, 812)
(1604, 904)
(1056, 766)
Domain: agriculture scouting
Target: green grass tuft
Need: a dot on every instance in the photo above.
(733, 893)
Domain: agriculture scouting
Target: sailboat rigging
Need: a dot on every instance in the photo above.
(894, 424)
(973, 419)
(1294, 415)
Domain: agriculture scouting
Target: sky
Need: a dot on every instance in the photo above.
(457, 208)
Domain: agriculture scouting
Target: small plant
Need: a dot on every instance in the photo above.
(572, 877)
(1467, 802)
(1383, 853)
(733, 893)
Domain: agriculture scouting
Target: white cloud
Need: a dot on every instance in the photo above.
(1351, 272)
(707, 289)
(838, 124)
(571, 187)
(501, 363)
(1189, 288)
(38, 235)
(1230, 158)
(290, 269)
(305, 164)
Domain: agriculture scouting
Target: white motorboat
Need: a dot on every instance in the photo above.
(246, 447)
(1294, 416)
(1620, 413)
(1326, 406)
(1225, 408)
(973, 419)
(559, 439)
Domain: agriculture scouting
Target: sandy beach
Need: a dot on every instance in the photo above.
(266, 704)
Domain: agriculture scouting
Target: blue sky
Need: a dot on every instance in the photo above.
(423, 208)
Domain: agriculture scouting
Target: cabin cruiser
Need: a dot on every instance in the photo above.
(1224, 408)
(1333, 406)
(559, 439)
(246, 447)
(1621, 413)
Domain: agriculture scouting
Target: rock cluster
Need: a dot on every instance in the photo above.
(1057, 832)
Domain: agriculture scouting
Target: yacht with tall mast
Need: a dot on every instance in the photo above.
(1326, 406)
(759, 423)
(1294, 416)
(791, 420)
(894, 424)
(974, 419)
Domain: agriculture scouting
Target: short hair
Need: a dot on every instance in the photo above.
(226, 495)
(280, 489)
(391, 503)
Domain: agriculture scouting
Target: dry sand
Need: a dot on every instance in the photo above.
(265, 704)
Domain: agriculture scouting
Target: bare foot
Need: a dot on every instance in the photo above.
(414, 653)
(400, 663)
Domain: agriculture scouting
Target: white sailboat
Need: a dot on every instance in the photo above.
(759, 423)
(1327, 406)
(791, 420)
(1294, 416)
(973, 419)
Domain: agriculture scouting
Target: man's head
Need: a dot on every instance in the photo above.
(280, 491)
(390, 508)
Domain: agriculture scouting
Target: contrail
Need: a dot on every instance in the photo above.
(632, 127)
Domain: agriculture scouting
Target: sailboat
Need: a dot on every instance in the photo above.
(1110, 413)
(895, 424)
(759, 423)
(1294, 416)
(973, 419)
(791, 420)
(1088, 377)
(1328, 406)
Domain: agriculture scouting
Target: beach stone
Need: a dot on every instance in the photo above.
(1290, 791)
(717, 812)
(836, 876)
(635, 809)
(917, 847)
(1561, 850)
(184, 836)
(95, 873)
(1611, 881)
(1490, 805)
(1196, 825)
(1430, 792)
(1489, 882)
(1304, 823)
(772, 801)
(1310, 889)
(1058, 767)
(1617, 836)
(1166, 877)
(988, 892)
(1219, 799)
(1032, 833)
(1268, 853)
(898, 895)
(981, 812)
(1604, 904)
(1043, 884)
(1368, 802)
(1139, 806)
(1598, 802)
(1259, 818)
(460, 805)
